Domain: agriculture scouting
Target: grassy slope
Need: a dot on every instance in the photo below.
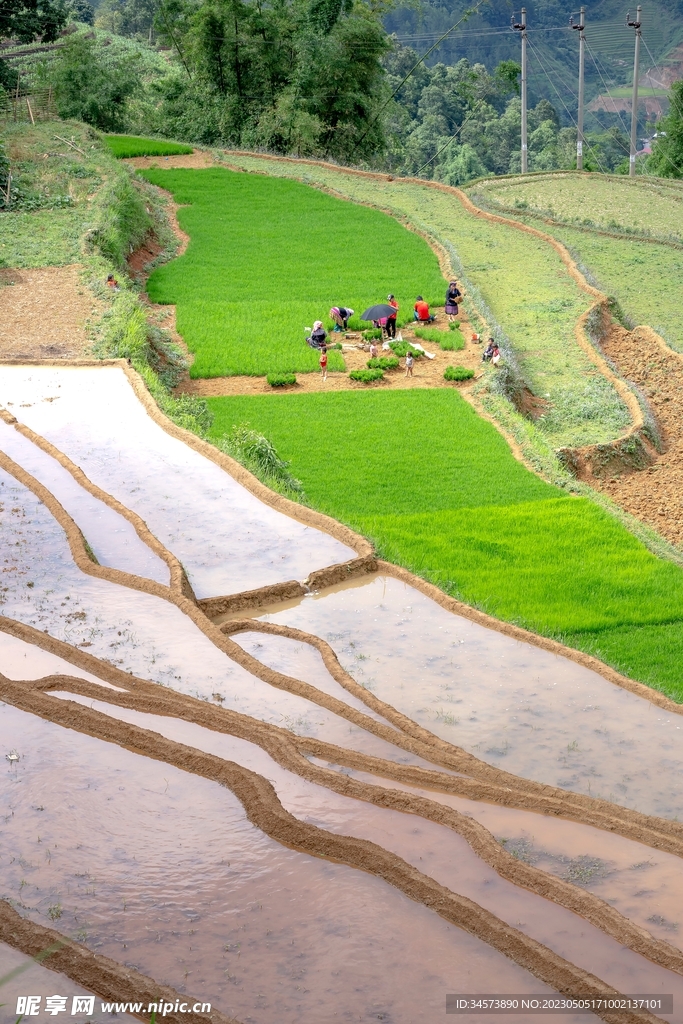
(267, 258)
(105, 212)
(438, 490)
(526, 287)
(642, 204)
(644, 276)
(123, 146)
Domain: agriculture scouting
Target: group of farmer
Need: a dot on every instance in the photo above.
(386, 320)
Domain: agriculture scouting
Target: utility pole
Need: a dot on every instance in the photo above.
(520, 27)
(634, 100)
(579, 124)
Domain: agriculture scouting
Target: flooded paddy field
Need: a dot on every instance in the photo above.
(338, 808)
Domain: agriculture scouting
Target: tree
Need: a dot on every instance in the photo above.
(87, 90)
(27, 20)
(667, 150)
(81, 10)
(133, 18)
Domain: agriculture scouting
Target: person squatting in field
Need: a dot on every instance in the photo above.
(452, 296)
(491, 353)
(318, 335)
(341, 316)
(421, 311)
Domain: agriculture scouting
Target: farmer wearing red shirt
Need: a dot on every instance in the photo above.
(421, 311)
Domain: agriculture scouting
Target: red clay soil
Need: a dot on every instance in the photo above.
(654, 495)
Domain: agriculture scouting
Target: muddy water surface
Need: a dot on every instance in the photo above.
(35, 979)
(643, 884)
(111, 537)
(19, 660)
(528, 711)
(162, 870)
(433, 849)
(227, 540)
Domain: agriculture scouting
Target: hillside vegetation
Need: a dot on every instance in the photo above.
(630, 262)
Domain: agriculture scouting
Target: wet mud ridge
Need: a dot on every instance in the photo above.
(326, 773)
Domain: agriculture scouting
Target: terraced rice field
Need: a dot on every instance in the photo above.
(537, 308)
(649, 206)
(267, 258)
(324, 805)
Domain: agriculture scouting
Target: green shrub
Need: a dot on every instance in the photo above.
(383, 363)
(366, 376)
(280, 380)
(458, 373)
(121, 219)
(124, 146)
(401, 348)
(257, 454)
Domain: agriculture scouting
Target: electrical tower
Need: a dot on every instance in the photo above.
(520, 26)
(634, 100)
(580, 26)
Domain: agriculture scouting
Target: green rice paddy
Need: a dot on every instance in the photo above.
(524, 284)
(438, 491)
(268, 257)
(126, 146)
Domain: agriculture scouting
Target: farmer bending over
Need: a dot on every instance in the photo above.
(421, 311)
(341, 316)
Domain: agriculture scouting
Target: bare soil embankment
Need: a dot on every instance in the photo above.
(654, 495)
(44, 313)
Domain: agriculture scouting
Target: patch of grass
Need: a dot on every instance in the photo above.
(464, 462)
(644, 277)
(640, 205)
(367, 376)
(384, 363)
(651, 653)
(242, 308)
(123, 146)
(458, 373)
(454, 325)
(449, 341)
(280, 380)
(455, 507)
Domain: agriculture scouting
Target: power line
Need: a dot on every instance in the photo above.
(569, 114)
(466, 15)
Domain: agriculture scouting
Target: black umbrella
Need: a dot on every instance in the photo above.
(378, 312)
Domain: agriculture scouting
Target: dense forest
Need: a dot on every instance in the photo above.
(322, 78)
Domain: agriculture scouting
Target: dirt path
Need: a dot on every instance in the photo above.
(655, 495)
(44, 312)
